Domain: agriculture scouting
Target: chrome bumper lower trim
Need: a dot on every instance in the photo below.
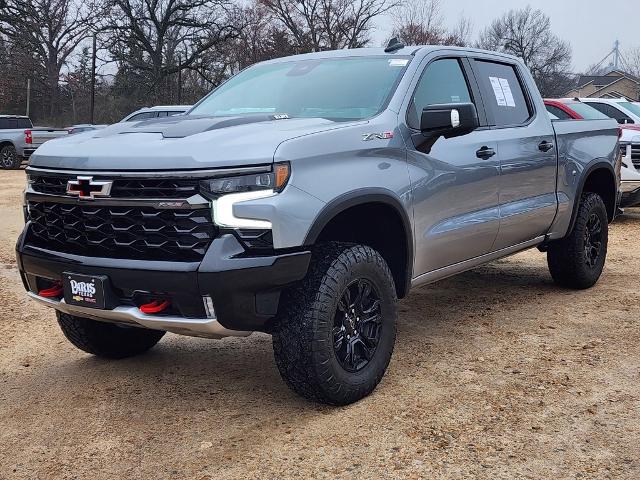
(194, 327)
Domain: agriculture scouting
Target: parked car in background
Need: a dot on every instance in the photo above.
(19, 139)
(84, 127)
(572, 108)
(630, 169)
(627, 115)
(624, 111)
(155, 112)
(307, 215)
(12, 139)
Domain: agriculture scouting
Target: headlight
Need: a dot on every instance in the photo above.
(274, 180)
(225, 192)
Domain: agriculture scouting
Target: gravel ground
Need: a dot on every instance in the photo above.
(496, 374)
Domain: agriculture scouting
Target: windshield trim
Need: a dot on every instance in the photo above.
(384, 106)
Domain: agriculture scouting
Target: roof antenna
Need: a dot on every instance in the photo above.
(393, 45)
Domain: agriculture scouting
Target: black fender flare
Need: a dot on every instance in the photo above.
(364, 196)
(598, 165)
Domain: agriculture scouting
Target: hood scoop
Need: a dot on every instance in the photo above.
(185, 126)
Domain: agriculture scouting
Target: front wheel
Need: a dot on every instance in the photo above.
(335, 333)
(107, 340)
(9, 158)
(577, 260)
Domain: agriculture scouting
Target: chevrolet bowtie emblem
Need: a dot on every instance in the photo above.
(86, 188)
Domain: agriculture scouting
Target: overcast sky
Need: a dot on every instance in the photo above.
(590, 26)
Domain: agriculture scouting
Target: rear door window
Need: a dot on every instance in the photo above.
(503, 94)
(24, 123)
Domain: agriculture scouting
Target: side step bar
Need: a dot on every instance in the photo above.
(194, 327)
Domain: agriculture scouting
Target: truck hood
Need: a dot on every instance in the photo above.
(184, 142)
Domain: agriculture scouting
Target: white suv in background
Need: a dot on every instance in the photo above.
(628, 115)
(630, 171)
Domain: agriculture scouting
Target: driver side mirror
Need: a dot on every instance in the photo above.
(449, 120)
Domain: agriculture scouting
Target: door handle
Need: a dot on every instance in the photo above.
(545, 146)
(485, 153)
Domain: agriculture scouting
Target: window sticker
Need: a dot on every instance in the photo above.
(497, 91)
(508, 95)
(502, 91)
(398, 62)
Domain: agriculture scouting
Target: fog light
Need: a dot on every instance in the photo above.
(208, 306)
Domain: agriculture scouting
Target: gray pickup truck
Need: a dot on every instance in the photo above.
(19, 139)
(303, 197)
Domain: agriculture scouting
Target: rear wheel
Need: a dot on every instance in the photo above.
(336, 331)
(9, 158)
(107, 339)
(577, 260)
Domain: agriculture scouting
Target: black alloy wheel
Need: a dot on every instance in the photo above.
(357, 325)
(592, 240)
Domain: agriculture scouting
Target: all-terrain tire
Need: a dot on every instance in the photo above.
(305, 331)
(573, 261)
(107, 339)
(9, 158)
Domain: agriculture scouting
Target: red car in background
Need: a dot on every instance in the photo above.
(572, 108)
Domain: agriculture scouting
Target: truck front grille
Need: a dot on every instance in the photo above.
(133, 188)
(143, 233)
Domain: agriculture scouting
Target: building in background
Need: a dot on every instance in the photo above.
(615, 84)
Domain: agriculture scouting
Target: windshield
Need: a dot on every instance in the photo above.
(335, 88)
(632, 107)
(587, 112)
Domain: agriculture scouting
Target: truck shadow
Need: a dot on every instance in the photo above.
(230, 391)
(242, 371)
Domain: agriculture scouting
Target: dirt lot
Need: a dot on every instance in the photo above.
(496, 374)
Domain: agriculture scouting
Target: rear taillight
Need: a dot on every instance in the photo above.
(28, 138)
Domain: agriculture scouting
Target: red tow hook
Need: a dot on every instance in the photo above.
(156, 306)
(54, 291)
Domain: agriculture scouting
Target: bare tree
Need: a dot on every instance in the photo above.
(316, 25)
(261, 38)
(421, 22)
(157, 38)
(527, 34)
(631, 61)
(51, 31)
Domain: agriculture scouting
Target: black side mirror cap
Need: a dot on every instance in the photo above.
(449, 120)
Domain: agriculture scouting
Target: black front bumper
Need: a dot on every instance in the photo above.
(245, 290)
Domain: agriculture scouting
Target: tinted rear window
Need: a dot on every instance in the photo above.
(8, 123)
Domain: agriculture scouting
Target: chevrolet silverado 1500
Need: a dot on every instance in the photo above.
(303, 197)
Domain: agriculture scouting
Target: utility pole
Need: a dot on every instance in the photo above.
(179, 79)
(28, 95)
(93, 80)
(616, 55)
